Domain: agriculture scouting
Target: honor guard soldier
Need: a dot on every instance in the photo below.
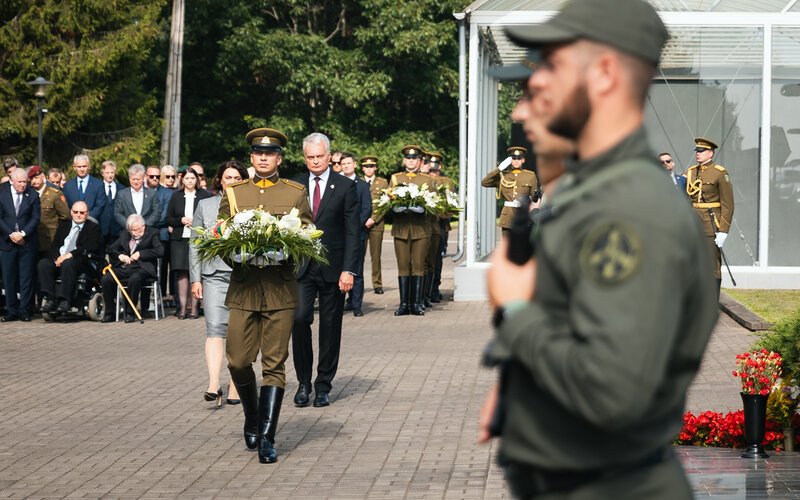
(411, 230)
(369, 165)
(54, 208)
(438, 251)
(262, 300)
(709, 187)
(511, 181)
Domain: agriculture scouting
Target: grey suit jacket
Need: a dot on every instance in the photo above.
(205, 216)
(151, 207)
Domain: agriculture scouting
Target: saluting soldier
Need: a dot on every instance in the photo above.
(511, 184)
(369, 165)
(262, 299)
(444, 227)
(54, 207)
(709, 186)
(411, 230)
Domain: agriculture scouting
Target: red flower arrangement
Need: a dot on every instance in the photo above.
(714, 429)
(758, 371)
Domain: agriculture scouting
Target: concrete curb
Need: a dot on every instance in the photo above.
(741, 314)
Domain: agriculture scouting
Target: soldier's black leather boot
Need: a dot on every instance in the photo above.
(405, 291)
(249, 397)
(269, 402)
(426, 290)
(417, 308)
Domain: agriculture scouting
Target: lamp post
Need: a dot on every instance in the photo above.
(40, 85)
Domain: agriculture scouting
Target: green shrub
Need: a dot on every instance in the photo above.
(784, 338)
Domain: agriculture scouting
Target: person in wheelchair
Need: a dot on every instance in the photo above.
(76, 249)
(134, 260)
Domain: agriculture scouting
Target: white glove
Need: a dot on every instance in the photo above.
(276, 255)
(241, 257)
(504, 164)
(719, 240)
(417, 209)
(399, 210)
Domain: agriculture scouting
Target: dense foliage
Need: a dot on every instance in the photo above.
(372, 74)
(98, 53)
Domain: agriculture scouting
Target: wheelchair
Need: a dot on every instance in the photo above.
(88, 299)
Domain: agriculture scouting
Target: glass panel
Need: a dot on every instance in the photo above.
(709, 85)
(784, 168)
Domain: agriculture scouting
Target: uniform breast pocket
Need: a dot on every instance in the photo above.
(281, 210)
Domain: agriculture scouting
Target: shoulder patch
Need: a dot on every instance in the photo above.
(611, 254)
(720, 168)
(294, 184)
(244, 181)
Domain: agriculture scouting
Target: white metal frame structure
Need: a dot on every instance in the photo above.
(484, 21)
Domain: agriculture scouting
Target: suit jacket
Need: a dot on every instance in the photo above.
(176, 210)
(108, 225)
(205, 216)
(364, 206)
(93, 195)
(338, 217)
(89, 247)
(151, 207)
(27, 219)
(149, 248)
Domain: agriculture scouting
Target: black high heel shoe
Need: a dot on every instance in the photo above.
(211, 396)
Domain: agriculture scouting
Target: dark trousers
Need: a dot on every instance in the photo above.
(133, 277)
(331, 305)
(68, 272)
(357, 293)
(18, 267)
(444, 232)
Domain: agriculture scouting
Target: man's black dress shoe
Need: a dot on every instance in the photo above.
(9, 318)
(379, 291)
(348, 306)
(358, 313)
(107, 319)
(48, 305)
(321, 399)
(129, 318)
(25, 318)
(301, 397)
(63, 306)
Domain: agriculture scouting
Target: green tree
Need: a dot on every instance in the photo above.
(98, 53)
(371, 74)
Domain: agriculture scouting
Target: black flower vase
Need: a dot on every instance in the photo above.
(755, 423)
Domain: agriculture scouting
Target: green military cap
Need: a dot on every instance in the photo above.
(412, 151)
(266, 139)
(368, 161)
(703, 143)
(632, 26)
(516, 152)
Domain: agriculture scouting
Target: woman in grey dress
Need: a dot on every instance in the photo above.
(210, 283)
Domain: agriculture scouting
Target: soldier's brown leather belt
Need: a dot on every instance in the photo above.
(714, 204)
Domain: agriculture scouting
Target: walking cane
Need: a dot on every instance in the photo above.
(108, 269)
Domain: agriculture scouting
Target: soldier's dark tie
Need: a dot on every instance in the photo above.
(316, 197)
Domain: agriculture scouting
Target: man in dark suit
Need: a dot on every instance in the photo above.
(334, 204)
(137, 199)
(355, 298)
(77, 248)
(86, 188)
(134, 257)
(19, 224)
(108, 225)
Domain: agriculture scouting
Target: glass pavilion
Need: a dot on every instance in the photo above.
(730, 72)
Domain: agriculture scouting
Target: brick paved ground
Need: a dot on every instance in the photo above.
(93, 410)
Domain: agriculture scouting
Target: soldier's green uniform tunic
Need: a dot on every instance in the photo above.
(510, 185)
(709, 186)
(262, 300)
(375, 237)
(411, 231)
(54, 210)
(600, 360)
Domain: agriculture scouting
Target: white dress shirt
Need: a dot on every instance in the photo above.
(138, 200)
(323, 182)
(113, 187)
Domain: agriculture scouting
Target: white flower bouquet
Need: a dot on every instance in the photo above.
(449, 205)
(408, 198)
(258, 238)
